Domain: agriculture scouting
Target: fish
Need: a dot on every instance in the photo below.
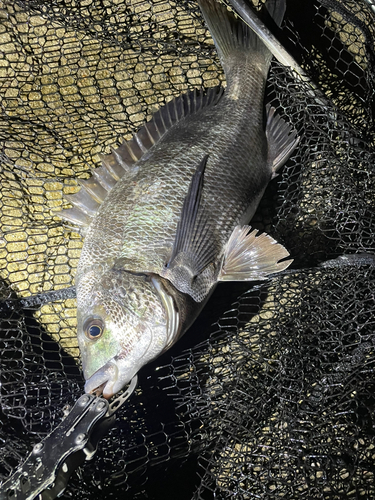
(165, 218)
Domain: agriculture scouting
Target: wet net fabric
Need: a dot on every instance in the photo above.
(276, 398)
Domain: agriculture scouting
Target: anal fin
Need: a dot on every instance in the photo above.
(282, 140)
(249, 257)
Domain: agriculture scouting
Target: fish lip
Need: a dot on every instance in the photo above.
(103, 380)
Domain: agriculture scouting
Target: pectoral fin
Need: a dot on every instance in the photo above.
(195, 246)
(193, 235)
(249, 257)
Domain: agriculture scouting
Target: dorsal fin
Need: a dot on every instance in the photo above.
(123, 160)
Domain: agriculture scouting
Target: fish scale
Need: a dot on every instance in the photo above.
(166, 178)
(171, 225)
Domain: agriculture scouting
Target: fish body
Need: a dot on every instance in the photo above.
(164, 216)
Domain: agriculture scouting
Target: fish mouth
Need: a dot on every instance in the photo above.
(103, 381)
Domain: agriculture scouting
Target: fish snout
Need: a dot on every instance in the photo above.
(103, 380)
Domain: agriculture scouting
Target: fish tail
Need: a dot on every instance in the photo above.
(235, 41)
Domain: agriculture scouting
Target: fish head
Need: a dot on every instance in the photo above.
(124, 320)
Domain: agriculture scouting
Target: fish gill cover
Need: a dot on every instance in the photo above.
(276, 398)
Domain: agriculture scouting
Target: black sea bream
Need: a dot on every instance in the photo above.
(165, 217)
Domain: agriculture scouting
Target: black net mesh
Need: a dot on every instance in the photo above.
(276, 399)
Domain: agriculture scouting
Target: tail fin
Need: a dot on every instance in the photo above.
(233, 38)
(276, 9)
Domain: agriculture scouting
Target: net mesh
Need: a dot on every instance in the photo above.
(276, 399)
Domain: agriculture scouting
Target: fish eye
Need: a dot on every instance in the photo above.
(93, 328)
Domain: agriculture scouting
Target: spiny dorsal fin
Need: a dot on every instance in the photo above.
(249, 257)
(96, 191)
(77, 220)
(123, 160)
(282, 140)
